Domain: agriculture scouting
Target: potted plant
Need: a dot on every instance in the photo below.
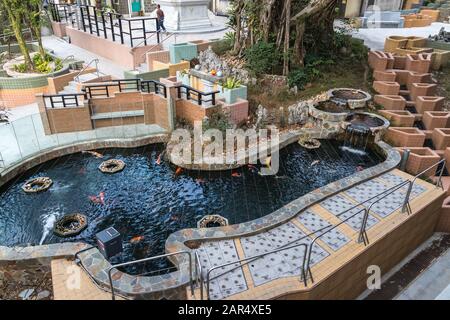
(183, 76)
(231, 89)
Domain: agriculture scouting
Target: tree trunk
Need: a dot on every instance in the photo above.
(287, 38)
(299, 51)
(15, 18)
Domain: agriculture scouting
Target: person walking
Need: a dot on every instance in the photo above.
(160, 19)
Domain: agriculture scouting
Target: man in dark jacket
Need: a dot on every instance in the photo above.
(160, 19)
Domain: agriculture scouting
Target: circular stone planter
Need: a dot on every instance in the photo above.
(353, 98)
(329, 111)
(212, 221)
(310, 144)
(37, 185)
(365, 122)
(112, 166)
(70, 225)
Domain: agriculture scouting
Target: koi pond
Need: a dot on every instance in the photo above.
(149, 199)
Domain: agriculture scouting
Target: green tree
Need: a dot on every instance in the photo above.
(35, 21)
(16, 11)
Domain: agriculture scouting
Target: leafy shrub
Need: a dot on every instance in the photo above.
(263, 57)
(218, 120)
(231, 83)
(222, 46)
(22, 68)
(310, 72)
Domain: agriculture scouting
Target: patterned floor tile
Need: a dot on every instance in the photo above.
(224, 282)
(338, 206)
(366, 190)
(392, 179)
(313, 222)
(283, 263)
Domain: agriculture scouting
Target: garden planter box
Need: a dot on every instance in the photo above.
(390, 102)
(231, 96)
(386, 87)
(420, 63)
(441, 138)
(405, 137)
(381, 61)
(389, 76)
(439, 59)
(424, 104)
(399, 118)
(443, 224)
(421, 159)
(422, 90)
(435, 119)
(184, 78)
(182, 51)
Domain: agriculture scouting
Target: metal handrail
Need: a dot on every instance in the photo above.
(96, 60)
(367, 210)
(162, 41)
(303, 272)
(199, 272)
(406, 207)
(67, 58)
(149, 259)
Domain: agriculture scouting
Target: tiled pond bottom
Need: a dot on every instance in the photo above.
(287, 263)
(148, 201)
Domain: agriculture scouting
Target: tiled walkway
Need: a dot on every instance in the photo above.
(287, 263)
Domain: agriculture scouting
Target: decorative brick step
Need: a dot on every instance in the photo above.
(421, 159)
(422, 90)
(390, 102)
(386, 87)
(405, 137)
(399, 118)
(435, 119)
(426, 103)
(441, 138)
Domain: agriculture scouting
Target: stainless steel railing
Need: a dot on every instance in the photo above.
(362, 237)
(96, 61)
(188, 253)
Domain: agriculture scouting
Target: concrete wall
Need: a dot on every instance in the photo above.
(384, 5)
(115, 51)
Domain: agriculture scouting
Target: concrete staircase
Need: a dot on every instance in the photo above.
(72, 87)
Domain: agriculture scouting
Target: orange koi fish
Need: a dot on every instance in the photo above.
(236, 174)
(359, 168)
(178, 171)
(200, 180)
(137, 239)
(100, 199)
(158, 160)
(93, 153)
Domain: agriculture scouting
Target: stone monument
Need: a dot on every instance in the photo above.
(186, 15)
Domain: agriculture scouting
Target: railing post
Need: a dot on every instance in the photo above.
(121, 31)
(112, 26)
(157, 31)
(406, 207)
(104, 25)
(96, 22)
(131, 33)
(82, 19)
(213, 99)
(199, 98)
(143, 30)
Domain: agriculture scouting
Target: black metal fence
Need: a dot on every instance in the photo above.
(124, 85)
(107, 24)
(198, 96)
(64, 100)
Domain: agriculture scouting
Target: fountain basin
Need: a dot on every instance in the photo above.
(329, 111)
(352, 98)
(365, 123)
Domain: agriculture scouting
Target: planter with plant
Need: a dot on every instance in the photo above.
(231, 89)
(183, 76)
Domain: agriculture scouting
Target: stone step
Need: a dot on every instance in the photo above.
(120, 114)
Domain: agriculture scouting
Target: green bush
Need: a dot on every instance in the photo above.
(222, 46)
(310, 72)
(22, 68)
(263, 57)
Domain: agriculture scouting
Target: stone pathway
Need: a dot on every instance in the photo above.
(302, 229)
(70, 282)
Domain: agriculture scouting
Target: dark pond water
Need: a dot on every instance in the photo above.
(147, 202)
